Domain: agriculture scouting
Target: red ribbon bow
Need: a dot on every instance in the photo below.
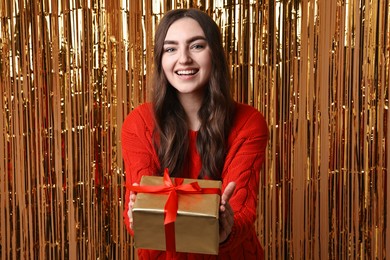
(171, 205)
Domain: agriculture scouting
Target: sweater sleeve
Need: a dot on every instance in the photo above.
(242, 165)
(138, 152)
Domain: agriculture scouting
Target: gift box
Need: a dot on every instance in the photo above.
(196, 228)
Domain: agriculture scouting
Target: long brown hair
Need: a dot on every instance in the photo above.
(215, 113)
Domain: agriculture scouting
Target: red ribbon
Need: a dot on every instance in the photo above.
(171, 205)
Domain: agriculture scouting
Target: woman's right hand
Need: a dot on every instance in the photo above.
(131, 204)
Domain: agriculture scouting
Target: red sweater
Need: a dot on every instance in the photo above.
(245, 154)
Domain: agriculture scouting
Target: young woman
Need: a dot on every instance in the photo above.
(194, 128)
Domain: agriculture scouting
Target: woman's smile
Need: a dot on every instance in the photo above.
(188, 72)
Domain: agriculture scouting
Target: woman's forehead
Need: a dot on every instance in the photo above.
(184, 28)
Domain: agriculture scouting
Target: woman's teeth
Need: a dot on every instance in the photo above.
(186, 72)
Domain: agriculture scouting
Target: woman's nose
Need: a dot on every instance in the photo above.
(185, 57)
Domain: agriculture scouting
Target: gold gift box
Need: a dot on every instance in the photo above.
(196, 225)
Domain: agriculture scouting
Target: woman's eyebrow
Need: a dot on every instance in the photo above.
(192, 39)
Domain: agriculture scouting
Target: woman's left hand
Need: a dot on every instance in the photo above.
(226, 214)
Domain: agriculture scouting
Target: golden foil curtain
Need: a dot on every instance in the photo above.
(70, 71)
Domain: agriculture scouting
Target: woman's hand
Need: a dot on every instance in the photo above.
(226, 214)
(131, 204)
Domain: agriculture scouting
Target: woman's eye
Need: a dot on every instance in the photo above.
(170, 49)
(197, 46)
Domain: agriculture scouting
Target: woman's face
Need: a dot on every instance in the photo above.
(186, 59)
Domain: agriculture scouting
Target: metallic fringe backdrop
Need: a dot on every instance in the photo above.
(70, 71)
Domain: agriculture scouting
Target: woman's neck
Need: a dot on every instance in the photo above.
(191, 105)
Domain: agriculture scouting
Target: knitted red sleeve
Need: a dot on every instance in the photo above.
(137, 151)
(245, 157)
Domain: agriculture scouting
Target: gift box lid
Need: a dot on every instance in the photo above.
(188, 204)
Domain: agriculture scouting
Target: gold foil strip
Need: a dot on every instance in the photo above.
(70, 71)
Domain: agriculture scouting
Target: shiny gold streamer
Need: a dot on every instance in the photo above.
(70, 71)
